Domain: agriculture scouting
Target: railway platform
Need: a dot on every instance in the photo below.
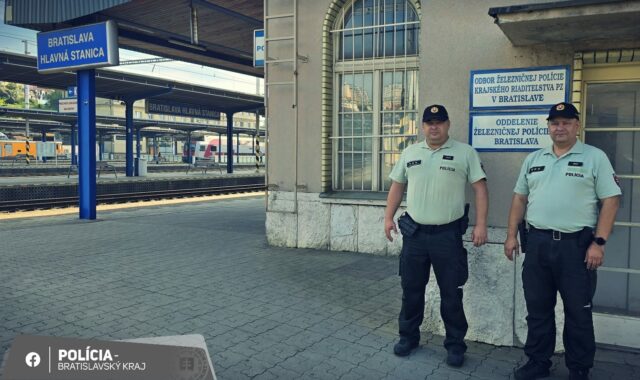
(205, 268)
(108, 176)
(40, 192)
(21, 169)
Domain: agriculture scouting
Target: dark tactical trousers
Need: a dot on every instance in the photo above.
(444, 251)
(558, 265)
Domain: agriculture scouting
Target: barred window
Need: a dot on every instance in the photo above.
(376, 82)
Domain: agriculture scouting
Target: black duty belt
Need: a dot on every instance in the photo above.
(435, 228)
(556, 235)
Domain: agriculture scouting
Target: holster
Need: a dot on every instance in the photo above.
(407, 226)
(586, 237)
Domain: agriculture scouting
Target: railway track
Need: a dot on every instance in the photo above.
(49, 203)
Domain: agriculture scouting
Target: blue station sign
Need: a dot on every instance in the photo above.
(81, 47)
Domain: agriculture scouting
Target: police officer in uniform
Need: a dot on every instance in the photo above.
(560, 188)
(436, 171)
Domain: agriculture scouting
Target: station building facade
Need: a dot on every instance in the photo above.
(347, 81)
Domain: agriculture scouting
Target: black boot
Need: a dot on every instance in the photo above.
(455, 358)
(578, 374)
(531, 371)
(404, 347)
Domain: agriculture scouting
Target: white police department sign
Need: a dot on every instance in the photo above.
(509, 132)
(534, 87)
(81, 47)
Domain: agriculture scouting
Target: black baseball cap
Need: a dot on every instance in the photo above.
(566, 110)
(435, 112)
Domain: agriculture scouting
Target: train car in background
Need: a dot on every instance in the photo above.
(205, 150)
(12, 148)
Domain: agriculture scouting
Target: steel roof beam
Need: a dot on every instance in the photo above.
(151, 31)
(147, 94)
(229, 12)
(183, 48)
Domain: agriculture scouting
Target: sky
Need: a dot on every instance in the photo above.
(11, 40)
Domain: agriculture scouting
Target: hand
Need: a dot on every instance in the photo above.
(511, 246)
(479, 235)
(594, 257)
(389, 225)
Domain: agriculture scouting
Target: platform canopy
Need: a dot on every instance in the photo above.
(214, 33)
(111, 84)
(578, 22)
(63, 121)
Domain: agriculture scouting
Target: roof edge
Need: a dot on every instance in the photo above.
(496, 11)
(34, 12)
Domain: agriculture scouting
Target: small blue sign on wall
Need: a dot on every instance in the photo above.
(81, 47)
(258, 48)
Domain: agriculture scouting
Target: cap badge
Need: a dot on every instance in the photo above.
(434, 109)
(560, 107)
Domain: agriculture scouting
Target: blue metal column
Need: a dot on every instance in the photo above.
(219, 146)
(44, 139)
(229, 142)
(138, 147)
(155, 147)
(237, 147)
(188, 157)
(129, 137)
(74, 158)
(128, 101)
(87, 140)
(100, 146)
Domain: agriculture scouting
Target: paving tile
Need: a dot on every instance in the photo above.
(265, 312)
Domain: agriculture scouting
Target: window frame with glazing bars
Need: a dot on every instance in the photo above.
(376, 66)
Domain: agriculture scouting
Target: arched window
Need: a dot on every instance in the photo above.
(376, 96)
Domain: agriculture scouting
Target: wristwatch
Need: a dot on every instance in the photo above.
(600, 240)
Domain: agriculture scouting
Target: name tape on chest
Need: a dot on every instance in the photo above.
(535, 169)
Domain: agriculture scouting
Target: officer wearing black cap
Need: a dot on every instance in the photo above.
(560, 188)
(435, 173)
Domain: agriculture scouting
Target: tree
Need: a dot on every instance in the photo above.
(12, 93)
(52, 97)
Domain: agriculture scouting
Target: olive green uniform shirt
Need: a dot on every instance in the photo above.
(563, 192)
(436, 179)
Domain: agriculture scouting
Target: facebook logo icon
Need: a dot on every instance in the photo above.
(32, 359)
